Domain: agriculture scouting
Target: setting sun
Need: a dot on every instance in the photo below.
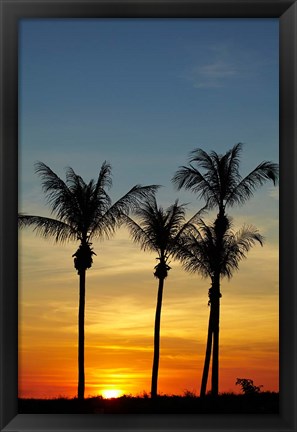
(112, 393)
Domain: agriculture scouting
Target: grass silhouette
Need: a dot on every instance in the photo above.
(229, 403)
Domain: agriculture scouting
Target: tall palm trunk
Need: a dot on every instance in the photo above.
(81, 334)
(157, 340)
(221, 225)
(207, 354)
(215, 348)
(214, 316)
(215, 329)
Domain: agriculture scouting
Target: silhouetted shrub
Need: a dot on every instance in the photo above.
(247, 386)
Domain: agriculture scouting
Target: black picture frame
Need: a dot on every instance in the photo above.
(11, 12)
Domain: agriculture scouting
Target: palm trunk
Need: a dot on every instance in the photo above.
(220, 228)
(81, 335)
(207, 355)
(157, 340)
(216, 329)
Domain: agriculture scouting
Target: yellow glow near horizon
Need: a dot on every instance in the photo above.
(111, 393)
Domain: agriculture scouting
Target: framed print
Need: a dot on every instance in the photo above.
(147, 260)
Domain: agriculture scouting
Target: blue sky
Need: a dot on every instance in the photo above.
(143, 93)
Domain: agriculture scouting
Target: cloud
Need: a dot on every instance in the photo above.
(274, 193)
(213, 74)
(217, 65)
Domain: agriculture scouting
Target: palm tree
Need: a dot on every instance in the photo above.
(158, 230)
(217, 180)
(199, 252)
(221, 185)
(82, 211)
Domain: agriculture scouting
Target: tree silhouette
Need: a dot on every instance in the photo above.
(82, 212)
(217, 180)
(247, 386)
(198, 252)
(158, 230)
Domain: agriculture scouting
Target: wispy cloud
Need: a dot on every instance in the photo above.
(220, 64)
(213, 74)
(274, 193)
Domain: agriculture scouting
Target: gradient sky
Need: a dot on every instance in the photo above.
(142, 94)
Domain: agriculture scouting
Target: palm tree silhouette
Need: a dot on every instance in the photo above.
(82, 211)
(158, 230)
(198, 252)
(217, 180)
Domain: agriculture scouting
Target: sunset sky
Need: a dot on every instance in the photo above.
(142, 94)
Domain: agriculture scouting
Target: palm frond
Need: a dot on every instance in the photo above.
(200, 252)
(58, 196)
(97, 201)
(140, 235)
(153, 220)
(191, 252)
(221, 184)
(236, 247)
(100, 201)
(245, 188)
(190, 224)
(192, 179)
(105, 225)
(175, 218)
(204, 160)
(78, 214)
(247, 236)
(232, 173)
(133, 199)
(196, 248)
(104, 178)
(216, 168)
(157, 229)
(47, 227)
(74, 181)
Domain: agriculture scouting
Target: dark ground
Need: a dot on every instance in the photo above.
(261, 403)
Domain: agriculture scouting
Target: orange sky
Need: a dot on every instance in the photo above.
(120, 308)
